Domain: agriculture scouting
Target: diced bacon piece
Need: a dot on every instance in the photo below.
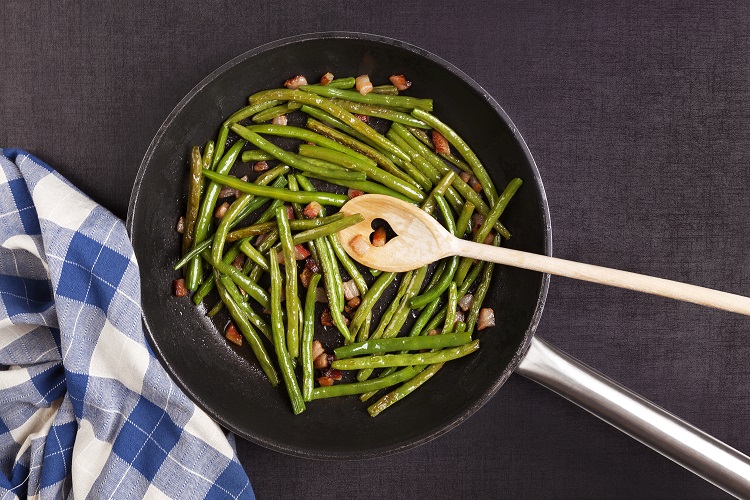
(400, 82)
(296, 82)
(378, 237)
(326, 79)
(363, 84)
(486, 318)
(233, 335)
(441, 143)
(362, 118)
(260, 166)
(300, 252)
(353, 193)
(360, 245)
(222, 210)
(180, 290)
(312, 209)
(280, 120)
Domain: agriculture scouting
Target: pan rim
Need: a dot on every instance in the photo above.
(547, 241)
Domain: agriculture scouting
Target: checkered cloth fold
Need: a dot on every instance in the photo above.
(85, 408)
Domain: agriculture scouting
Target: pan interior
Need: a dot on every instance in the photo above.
(225, 380)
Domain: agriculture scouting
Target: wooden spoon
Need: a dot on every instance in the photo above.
(421, 239)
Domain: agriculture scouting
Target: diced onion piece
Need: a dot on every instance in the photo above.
(279, 120)
(465, 302)
(324, 381)
(400, 82)
(350, 289)
(227, 191)
(362, 118)
(296, 82)
(486, 318)
(317, 349)
(321, 361)
(321, 295)
(378, 237)
(460, 317)
(221, 210)
(260, 166)
(180, 290)
(363, 84)
(300, 252)
(360, 245)
(233, 335)
(441, 143)
(180, 227)
(312, 209)
(326, 79)
(353, 193)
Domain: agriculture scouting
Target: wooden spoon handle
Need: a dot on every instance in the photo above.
(605, 276)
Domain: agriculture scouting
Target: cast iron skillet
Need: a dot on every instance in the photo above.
(227, 382)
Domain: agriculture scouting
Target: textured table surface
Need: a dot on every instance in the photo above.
(638, 115)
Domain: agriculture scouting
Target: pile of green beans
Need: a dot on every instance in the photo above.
(239, 232)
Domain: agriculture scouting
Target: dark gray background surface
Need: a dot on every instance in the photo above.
(638, 115)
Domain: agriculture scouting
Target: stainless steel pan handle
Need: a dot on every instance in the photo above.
(641, 419)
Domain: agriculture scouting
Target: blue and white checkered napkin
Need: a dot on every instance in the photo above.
(85, 408)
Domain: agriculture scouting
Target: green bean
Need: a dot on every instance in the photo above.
(216, 308)
(462, 225)
(393, 306)
(249, 111)
(385, 89)
(249, 333)
(340, 83)
(364, 186)
(425, 358)
(308, 329)
(279, 194)
(209, 284)
(208, 154)
(402, 344)
(259, 201)
(252, 288)
(479, 171)
(295, 224)
(271, 113)
(290, 158)
(203, 219)
(379, 99)
(404, 390)
(403, 311)
(254, 254)
(425, 139)
(366, 386)
(450, 313)
(462, 290)
(481, 292)
(440, 189)
(380, 112)
(306, 135)
(277, 327)
(195, 187)
(333, 287)
(252, 316)
(221, 144)
(256, 155)
(360, 147)
(369, 168)
(290, 271)
(348, 263)
(371, 298)
(333, 109)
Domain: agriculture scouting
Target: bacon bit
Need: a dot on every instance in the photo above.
(227, 191)
(353, 193)
(331, 373)
(489, 239)
(363, 85)
(486, 318)
(354, 302)
(326, 79)
(321, 295)
(260, 166)
(465, 176)
(321, 361)
(300, 252)
(317, 349)
(350, 289)
(233, 335)
(312, 209)
(296, 82)
(433, 332)
(360, 245)
(238, 261)
(312, 265)
(475, 184)
(305, 276)
(279, 120)
(459, 317)
(345, 320)
(441, 143)
(400, 82)
(465, 302)
(289, 212)
(222, 210)
(260, 238)
(280, 258)
(362, 118)
(180, 227)
(378, 237)
(325, 381)
(476, 222)
(180, 290)
(326, 319)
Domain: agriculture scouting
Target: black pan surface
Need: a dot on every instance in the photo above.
(226, 381)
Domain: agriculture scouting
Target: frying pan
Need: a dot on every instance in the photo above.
(227, 382)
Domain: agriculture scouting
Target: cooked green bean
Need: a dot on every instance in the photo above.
(337, 111)
(308, 329)
(221, 144)
(256, 155)
(279, 194)
(249, 111)
(241, 302)
(371, 297)
(425, 358)
(294, 224)
(340, 83)
(366, 386)
(450, 313)
(333, 286)
(209, 284)
(462, 224)
(404, 390)
(347, 262)
(249, 333)
(327, 229)
(252, 288)
(379, 99)
(271, 113)
(380, 112)
(481, 292)
(385, 89)
(381, 346)
(290, 271)
(257, 257)
(364, 186)
(195, 187)
(277, 326)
